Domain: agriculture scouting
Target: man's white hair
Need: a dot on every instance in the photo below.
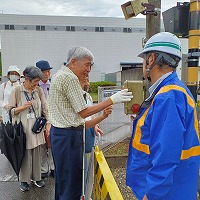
(79, 53)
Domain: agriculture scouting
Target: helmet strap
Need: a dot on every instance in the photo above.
(148, 75)
(169, 60)
(156, 61)
(149, 69)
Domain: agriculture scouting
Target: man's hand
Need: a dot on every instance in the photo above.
(107, 111)
(27, 105)
(145, 197)
(121, 96)
(98, 130)
(47, 131)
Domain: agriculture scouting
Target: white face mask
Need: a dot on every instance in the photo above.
(14, 78)
(22, 80)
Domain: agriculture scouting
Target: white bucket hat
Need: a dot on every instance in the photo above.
(14, 68)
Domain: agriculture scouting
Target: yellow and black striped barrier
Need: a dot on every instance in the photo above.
(105, 187)
(193, 47)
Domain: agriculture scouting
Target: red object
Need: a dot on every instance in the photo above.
(135, 108)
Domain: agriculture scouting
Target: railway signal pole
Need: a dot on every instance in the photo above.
(193, 47)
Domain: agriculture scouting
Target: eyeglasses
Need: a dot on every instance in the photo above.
(89, 64)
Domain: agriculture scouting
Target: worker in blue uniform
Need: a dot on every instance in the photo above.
(164, 152)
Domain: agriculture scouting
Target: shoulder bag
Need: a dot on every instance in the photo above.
(40, 121)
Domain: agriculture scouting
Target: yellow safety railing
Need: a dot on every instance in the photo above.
(105, 187)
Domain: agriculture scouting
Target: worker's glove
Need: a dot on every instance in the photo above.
(121, 96)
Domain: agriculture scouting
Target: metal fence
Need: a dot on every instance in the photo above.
(118, 125)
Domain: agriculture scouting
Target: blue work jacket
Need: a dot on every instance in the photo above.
(164, 152)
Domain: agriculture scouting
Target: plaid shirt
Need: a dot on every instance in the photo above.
(65, 100)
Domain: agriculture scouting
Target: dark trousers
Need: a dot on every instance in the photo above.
(67, 150)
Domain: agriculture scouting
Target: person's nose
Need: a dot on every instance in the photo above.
(89, 68)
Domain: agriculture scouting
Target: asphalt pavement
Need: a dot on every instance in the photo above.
(116, 127)
(9, 185)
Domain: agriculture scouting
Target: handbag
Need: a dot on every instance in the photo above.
(39, 122)
(89, 139)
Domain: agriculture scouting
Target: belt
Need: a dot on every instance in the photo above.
(78, 128)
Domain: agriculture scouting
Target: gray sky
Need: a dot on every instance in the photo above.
(97, 8)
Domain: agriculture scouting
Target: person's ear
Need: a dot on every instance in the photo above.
(73, 61)
(151, 59)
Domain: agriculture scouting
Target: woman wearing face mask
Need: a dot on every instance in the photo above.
(22, 79)
(6, 88)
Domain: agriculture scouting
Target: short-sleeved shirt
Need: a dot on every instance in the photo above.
(5, 91)
(65, 99)
(45, 87)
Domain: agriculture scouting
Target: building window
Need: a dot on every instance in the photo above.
(70, 28)
(9, 27)
(127, 30)
(40, 28)
(99, 29)
(12, 27)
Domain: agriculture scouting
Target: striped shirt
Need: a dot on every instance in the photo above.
(65, 99)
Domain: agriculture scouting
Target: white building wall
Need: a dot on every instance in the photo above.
(25, 47)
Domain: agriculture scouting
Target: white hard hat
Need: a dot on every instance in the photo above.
(164, 42)
(14, 68)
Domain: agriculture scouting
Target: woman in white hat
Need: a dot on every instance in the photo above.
(6, 88)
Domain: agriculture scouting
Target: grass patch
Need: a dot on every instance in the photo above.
(120, 148)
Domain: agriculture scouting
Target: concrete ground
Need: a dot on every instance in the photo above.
(9, 185)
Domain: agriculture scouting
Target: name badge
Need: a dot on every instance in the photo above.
(30, 116)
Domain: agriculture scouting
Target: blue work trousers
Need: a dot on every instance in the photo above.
(67, 150)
